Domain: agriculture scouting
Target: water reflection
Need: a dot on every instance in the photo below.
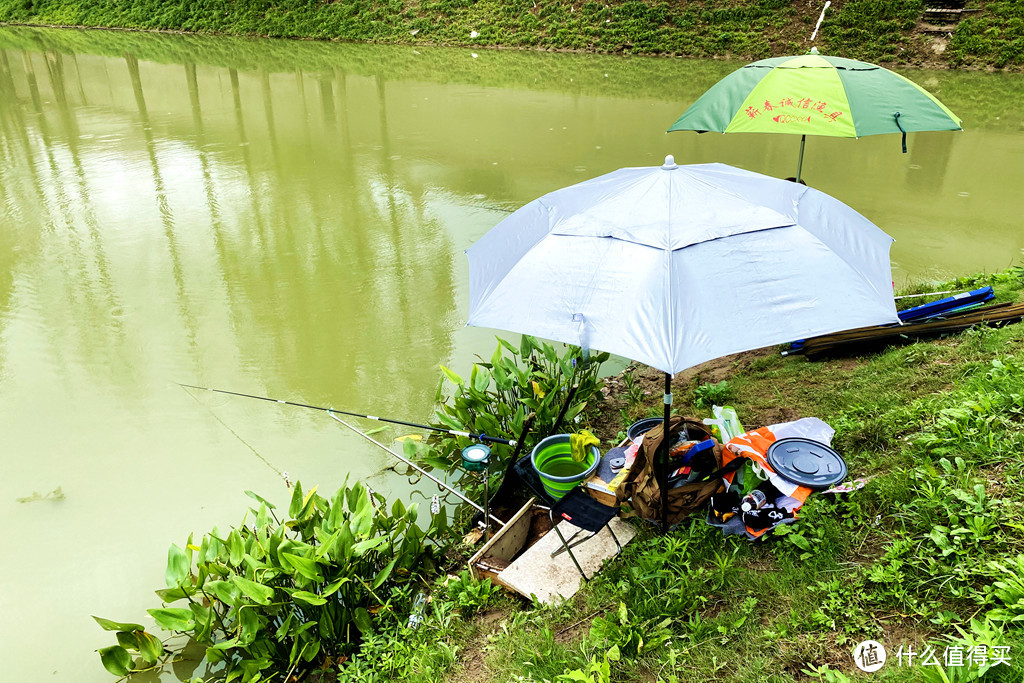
(298, 242)
(197, 223)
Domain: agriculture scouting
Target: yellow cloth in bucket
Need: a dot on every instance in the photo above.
(580, 442)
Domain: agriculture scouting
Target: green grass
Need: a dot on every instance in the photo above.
(994, 36)
(929, 553)
(747, 29)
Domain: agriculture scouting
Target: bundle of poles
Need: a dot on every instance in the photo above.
(334, 414)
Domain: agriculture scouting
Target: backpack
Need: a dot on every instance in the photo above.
(641, 487)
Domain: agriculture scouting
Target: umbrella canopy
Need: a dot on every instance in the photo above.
(816, 95)
(676, 265)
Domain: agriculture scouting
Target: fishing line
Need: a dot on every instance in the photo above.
(238, 436)
(333, 415)
(452, 432)
(408, 462)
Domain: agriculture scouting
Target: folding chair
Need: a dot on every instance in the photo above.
(578, 508)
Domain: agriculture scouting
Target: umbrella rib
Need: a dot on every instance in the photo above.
(841, 257)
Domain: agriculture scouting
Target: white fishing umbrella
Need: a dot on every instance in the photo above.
(676, 265)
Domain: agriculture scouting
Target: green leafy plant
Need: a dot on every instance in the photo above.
(707, 395)
(470, 595)
(285, 597)
(1010, 591)
(983, 635)
(629, 635)
(595, 672)
(498, 396)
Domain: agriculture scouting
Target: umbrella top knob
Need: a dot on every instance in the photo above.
(670, 163)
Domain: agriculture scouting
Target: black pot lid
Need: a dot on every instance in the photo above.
(806, 462)
(642, 427)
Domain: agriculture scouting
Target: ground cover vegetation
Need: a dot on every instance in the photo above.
(927, 558)
(928, 555)
(271, 599)
(876, 30)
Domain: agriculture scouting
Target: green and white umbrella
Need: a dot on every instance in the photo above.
(816, 95)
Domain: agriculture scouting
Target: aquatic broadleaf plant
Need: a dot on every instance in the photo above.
(271, 598)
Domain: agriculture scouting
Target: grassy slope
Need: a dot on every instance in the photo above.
(912, 558)
(875, 30)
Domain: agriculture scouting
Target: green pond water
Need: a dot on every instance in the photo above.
(288, 219)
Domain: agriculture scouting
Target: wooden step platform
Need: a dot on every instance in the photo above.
(533, 572)
(553, 579)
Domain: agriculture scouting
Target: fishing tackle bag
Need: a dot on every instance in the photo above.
(642, 489)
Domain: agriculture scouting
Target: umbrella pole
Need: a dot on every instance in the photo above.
(800, 161)
(661, 469)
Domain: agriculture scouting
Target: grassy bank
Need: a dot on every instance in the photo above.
(928, 555)
(875, 30)
(927, 558)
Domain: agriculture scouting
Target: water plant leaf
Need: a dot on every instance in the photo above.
(225, 591)
(526, 346)
(309, 598)
(115, 659)
(249, 626)
(333, 587)
(307, 505)
(129, 640)
(362, 620)
(256, 592)
(439, 392)
(305, 566)
(296, 504)
(178, 566)
(346, 541)
(108, 625)
(448, 421)
(173, 618)
(150, 646)
(362, 547)
(260, 499)
(383, 574)
(178, 593)
(435, 461)
(236, 548)
(327, 545)
(481, 379)
(452, 376)
(408, 437)
(362, 518)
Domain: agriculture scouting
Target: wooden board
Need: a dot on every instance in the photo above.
(507, 542)
(553, 579)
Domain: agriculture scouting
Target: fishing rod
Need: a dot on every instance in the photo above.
(452, 432)
(369, 438)
(408, 462)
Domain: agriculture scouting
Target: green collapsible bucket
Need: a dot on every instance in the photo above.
(552, 459)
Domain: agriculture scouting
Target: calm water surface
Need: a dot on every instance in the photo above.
(288, 219)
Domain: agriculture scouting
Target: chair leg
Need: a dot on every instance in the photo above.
(614, 538)
(566, 546)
